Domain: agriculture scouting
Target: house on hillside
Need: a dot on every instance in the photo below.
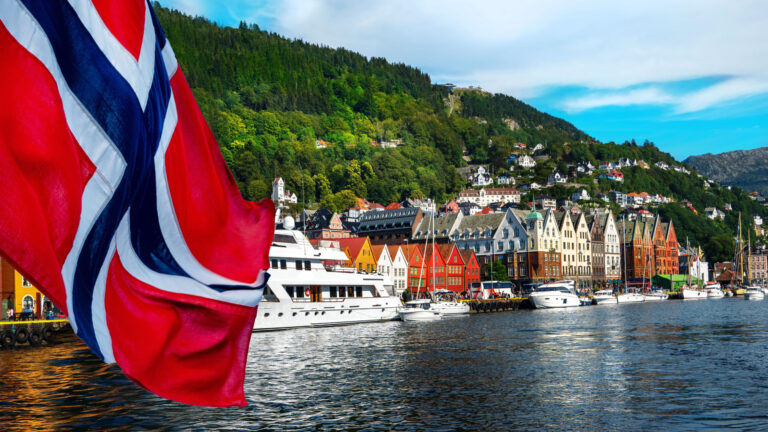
(713, 213)
(619, 198)
(505, 179)
(581, 195)
(556, 178)
(481, 177)
(526, 161)
(663, 165)
(282, 195)
(613, 175)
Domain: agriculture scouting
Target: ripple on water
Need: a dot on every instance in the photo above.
(670, 365)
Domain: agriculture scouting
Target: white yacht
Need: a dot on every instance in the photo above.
(630, 297)
(604, 297)
(420, 310)
(444, 301)
(714, 291)
(308, 287)
(560, 294)
(693, 293)
(656, 295)
(754, 293)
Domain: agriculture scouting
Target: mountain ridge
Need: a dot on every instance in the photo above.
(747, 169)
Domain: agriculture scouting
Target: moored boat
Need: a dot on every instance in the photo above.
(753, 293)
(693, 293)
(420, 310)
(714, 291)
(561, 294)
(630, 297)
(306, 288)
(444, 301)
(656, 295)
(604, 297)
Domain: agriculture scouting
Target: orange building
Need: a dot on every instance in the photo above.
(17, 293)
(454, 267)
(359, 253)
(471, 268)
(649, 248)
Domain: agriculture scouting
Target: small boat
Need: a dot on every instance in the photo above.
(444, 302)
(630, 297)
(754, 293)
(765, 290)
(604, 297)
(693, 293)
(729, 293)
(561, 294)
(419, 310)
(714, 291)
(656, 295)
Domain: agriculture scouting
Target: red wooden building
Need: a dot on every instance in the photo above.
(471, 267)
(454, 267)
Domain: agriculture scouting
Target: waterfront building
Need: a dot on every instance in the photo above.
(542, 258)
(444, 226)
(569, 244)
(635, 248)
(417, 271)
(471, 267)
(18, 293)
(399, 268)
(597, 238)
(757, 265)
(454, 267)
(383, 262)
(324, 224)
(583, 247)
(390, 226)
(359, 253)
(611, 246)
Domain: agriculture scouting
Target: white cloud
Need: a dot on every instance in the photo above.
(642, 96)
(525, 46)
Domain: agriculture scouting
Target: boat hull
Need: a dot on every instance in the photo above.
(656, 297)
(630, 298)
(278, 316)
(554, 300)
(602, 300)
(420, 315)
(451, 308)
(715, 294)
(689, 294)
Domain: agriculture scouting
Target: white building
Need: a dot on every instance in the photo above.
(714, 213)
(758, 220)
(384, 264)
(612, 245)
(505, 179)
(581, 195)
(526, 161)
(489, 234)
(557, 177)
(583, 246)
(481, 177)
(282, 195)
(399, 268)
(486, 196)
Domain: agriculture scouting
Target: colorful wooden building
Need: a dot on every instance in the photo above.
(359, 253)
(17, 293)
(454, 267)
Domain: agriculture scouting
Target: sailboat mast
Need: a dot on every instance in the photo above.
(741, 254)
(624, 239)
(749, 256)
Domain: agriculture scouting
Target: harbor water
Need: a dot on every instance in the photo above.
(670, 365)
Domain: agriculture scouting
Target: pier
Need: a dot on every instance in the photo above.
(498, 305)
(32, 332)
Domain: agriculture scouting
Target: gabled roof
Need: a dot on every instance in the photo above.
(378, 250)
(466, 255)
(481, 221)
(443, 226)
(355, 244)
(393, 252)
(446, 250)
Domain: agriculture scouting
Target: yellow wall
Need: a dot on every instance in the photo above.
(365, 260)
(13, 286)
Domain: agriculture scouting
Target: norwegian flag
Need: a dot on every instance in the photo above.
(117, 202)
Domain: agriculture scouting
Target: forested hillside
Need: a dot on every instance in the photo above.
(269, 100)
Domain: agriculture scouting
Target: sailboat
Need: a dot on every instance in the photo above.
(421, 309)
(738, 256)
(691, 291)
(713, 289)
(753, 292)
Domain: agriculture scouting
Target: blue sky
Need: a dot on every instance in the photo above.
(691, 76)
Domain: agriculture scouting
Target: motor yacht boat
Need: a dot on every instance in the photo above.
(310, 287)
(656, 295)
(714, 291)
(445, 302)
(420, 310)
(630, 297)
(604, 297)
(754, 293)
(561, 294)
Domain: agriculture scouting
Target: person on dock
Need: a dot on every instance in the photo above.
(10, 314)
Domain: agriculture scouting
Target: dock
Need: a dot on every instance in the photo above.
(498, 305)
(29, 332)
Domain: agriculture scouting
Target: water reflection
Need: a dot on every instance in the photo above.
(670, 365)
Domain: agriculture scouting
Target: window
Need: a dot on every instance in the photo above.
(283, 264)
(289, 290)
(274, 263)
(299, 292)
(332, 292)
(298, 265)
(350, 291)
(307, 265)
(27, 302)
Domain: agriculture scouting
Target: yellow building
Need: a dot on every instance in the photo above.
(18, 293)
(359, 252)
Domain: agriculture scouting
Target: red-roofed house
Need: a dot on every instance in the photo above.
(454, 267)
(393, 206)
(471, 267)
(359, 252)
